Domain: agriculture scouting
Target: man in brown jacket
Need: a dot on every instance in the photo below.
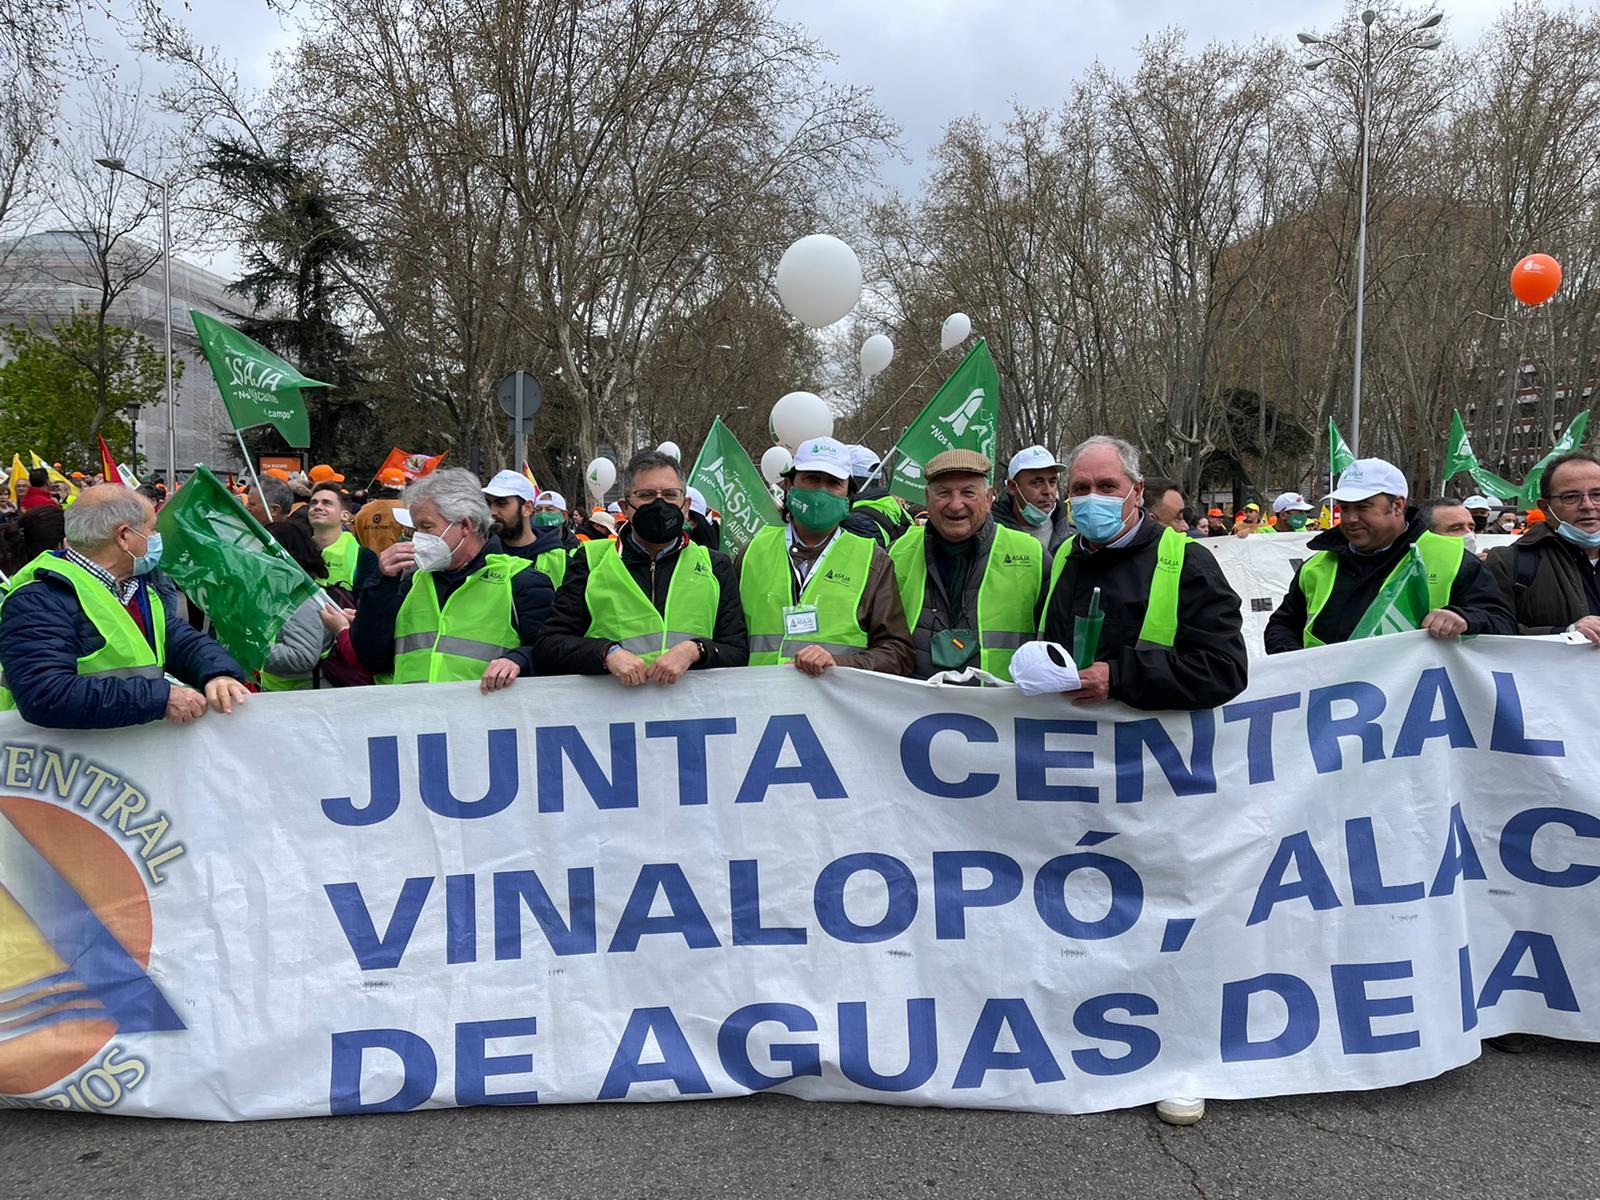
(1548, 575)
(813, 593)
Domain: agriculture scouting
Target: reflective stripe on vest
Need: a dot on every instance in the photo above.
(620, 612)
(1440, 555)
(1160, 627)
(1007, 597)
(477, 626)
(836, 584)
(127, 654)
(340, 559)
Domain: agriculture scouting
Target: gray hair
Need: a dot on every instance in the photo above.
(100, 511)
(456, 493)
(275, 493)
(1125, 451)
(648, 460)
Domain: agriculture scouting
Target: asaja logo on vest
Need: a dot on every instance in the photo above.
(1011, 560)
(75, 921)
(834, 576)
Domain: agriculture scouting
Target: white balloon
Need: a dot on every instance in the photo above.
(774, 463)
(798, 416)
(599, 477)
(819, 280)
(877, 352)
(670, 449)
(957, 329)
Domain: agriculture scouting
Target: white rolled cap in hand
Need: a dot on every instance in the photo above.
(1041, 668)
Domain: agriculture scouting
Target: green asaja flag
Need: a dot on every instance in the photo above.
(964, 414)
(733, 486)
(231, 567)
(1401, 603)
(1339, 456)
(1571, 439)
(258, 387)
(1458, 455)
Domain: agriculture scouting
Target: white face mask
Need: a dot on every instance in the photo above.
(1471, 542)
(433, 552)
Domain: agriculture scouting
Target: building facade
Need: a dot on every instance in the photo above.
(46, 277)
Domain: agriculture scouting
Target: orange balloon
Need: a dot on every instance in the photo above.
(1535, 279)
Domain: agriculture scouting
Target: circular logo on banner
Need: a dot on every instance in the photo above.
(74, 945)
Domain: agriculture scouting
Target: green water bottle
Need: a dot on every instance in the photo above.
(1086, 633)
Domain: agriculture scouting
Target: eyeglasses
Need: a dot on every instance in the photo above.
(647, 495)
(1573, 499)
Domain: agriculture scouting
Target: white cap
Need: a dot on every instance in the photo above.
(863, 461)
(1482, 502)
(402, 516)
(1040, 668)
(1368, 477)
(615, 508)
(697, 501)
(1034, 458)
(603, 519)
(551, 500)
(825, 454)
(1290, 502)
(510, 483)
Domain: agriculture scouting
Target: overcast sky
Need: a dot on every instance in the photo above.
(928, 61)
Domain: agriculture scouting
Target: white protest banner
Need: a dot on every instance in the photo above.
(857, 888)
(1261, 567)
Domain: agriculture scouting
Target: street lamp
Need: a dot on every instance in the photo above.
(116, 165)
(1366, 68)
(132, 409)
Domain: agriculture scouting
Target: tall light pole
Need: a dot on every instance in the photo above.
(117, 165)
(1366, 69)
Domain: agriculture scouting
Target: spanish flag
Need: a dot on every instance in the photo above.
(108, 465)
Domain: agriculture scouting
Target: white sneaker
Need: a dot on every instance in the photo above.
(1181, 1110)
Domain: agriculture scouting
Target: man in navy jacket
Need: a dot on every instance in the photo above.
(88, 634)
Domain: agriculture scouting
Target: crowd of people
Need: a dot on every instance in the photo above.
(1103, 593)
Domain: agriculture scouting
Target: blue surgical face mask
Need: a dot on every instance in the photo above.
(1578, 537)
(144, 563)
(1098, 518)
(1034, 515)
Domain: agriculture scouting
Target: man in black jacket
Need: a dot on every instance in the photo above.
(1334, 589)
(1164, 644)
(1551, 575)
(453, 546)
(601, 623)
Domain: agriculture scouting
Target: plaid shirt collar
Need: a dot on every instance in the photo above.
(124, 591)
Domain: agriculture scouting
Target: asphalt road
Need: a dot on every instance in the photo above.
(1506, 1126)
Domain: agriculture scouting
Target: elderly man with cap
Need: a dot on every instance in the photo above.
(651, 604)
(446, 605)
(1172, 635)
(1292, 512)
(1344, 581)
(349, 563)
(874, 512)
(375, 526)
(89, 633)
(1032, 502)
(971, 588)
(523, 532)
(815, 594)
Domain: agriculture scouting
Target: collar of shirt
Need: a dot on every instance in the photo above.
(807, 558)
(1120, 542)
(637, 546)
(123, 590)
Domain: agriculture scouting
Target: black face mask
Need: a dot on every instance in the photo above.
(1480, 522)
(657, 522)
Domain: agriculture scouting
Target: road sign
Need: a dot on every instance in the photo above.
(520, 395)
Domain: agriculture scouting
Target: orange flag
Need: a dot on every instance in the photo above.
(415, 466)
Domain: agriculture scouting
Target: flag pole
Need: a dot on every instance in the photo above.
(250, 465)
